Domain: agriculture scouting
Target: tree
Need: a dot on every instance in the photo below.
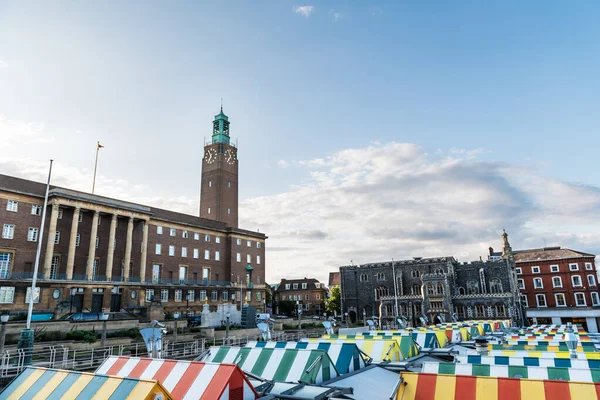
(334, 302)
(287, 307)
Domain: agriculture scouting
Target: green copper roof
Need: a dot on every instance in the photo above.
(221, 115)
(249, 268)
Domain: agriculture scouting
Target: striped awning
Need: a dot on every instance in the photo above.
(589, 347)
(281, 365)
(43, 383)
(423, 337)
(184, 379)
(544, 354)
(345, 356)
(529, 361)
(379, 350)
(408, 347)
(513, 371)
(423, 386)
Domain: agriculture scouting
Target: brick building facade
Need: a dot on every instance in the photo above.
(307, 292)
(102, 254)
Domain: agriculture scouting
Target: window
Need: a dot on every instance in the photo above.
(295, 286)
(54, 266)
(519, 271)
(595, 298)
(207, 238)
(207, 254)
(158, 249)
(228, 184)
(32, 235)
(380, 276)
(574, 267)
(430, 289)
(560, 300)
(554, 268)
(521, 283)
(224, 295)
(173, 232)
(159, 230)
(580, 299)
(524, 300)
(588, 266)
(304, 286)
(535, 270)
(217, 239)
(479, 311)
(149, 294)
(317, 296)
(202, 295)
(229, 211)
(12, 205)
(178, 295)
(36, 296)
(248, 258)
(214, 295)
(258, 245)
(495, 286)
(77, 240)
(164, 295)
(439, 288)
(205, 274)
(191, 295)
(217, 255)
(97, 240)
(249, 243)
(209, 183)
(258, 259)
(60, 213)
(99, 219)
(557, 282)
(461, 291)
(8, 232)
(196, 253)
(591, 280)
(239, 242)
(541, 300)
(196, 236)
(184, 234)
(472, 287)
(576, 280)
(7, 294)
(363, 278)
(57, 238)
(500, 310)
(171, 250)
(36, 210)
(306, 297)
(238, 257)
(287, 286)
(537, 283)
(182, 274)
(184, 252)
(80, 216)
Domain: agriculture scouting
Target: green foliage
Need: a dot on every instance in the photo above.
(54, 336)
(130, 333)
(287, 307)
(334, 302)
(82, 336)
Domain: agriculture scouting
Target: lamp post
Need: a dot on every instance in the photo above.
(72, 291)
(227, 315)
(175, 317)
(4, 320)
(571, 339)
(346, 316)
(299, 315)
(103, 317)
(364, 318)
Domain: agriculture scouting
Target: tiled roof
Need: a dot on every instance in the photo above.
(548, 253)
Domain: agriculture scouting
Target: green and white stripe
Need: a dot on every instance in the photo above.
(529, 361)
(280, 365)
(513, 371)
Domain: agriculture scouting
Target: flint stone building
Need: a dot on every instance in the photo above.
(432, 287)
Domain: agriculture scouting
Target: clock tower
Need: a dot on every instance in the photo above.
(219, 187)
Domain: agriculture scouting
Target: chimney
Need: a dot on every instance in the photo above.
(491, 251)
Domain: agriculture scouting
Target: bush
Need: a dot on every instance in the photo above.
(131, 333)
(53, 336)
(83, 336)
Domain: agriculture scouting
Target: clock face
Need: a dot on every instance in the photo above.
(230, 156)
(210, 156)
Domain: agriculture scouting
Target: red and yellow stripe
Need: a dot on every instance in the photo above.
(422, 386)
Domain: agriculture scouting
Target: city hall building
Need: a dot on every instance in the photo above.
(104, 254)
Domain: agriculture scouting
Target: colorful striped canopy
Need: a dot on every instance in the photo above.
(513, 371)
(184, 379)
(281, 365)
(529, 361)
(43, 383)
(560, 347)
(423, 386)
(345, 356)
(425, 339)
(408, 346)
(378, 350)
(544, 354)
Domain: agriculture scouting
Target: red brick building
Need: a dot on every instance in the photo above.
(308, 293)
(559, 285)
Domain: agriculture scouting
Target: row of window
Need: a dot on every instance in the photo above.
(481, 311)
(196, 254)
(556, 268)
(13, 206)
(561, 299)
(538, 283)
(295, 286)
(298, 297)
(7, 295)
(191, 295)
(185, 234)
(473, 287)
(380, 276)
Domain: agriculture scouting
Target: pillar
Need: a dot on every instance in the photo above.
(73, 242)
(128, 249)
(144, 252)
(111, 247)
(92, 252)
(50, 244)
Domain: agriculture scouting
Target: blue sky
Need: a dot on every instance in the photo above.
(504, 84)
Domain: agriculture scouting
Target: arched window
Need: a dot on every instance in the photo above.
(495, 286)
(380, 276)
(439, 271)
(440, 289)
(416, 289)
(404, 309)
(472, 287)
(430, 289)
(500, 310)
(479, 311)
(415, 273)
(461, 290)
(364, 277)
(388, 309)
(381, 291)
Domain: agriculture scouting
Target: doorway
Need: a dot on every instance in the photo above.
(78, 303)
(115, 303)
(97, 300)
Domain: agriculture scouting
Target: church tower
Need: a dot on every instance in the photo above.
(219, 187)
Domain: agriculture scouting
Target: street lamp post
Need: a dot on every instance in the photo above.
(346, 315)
(175, 317)
(4, 320)
(103, 317)
(227, 315)
(72, 291)
(364, 318)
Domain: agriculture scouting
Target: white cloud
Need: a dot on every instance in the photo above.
(304, 10)
(336, 15)
(283, 164)
(3, 64)
(23, 132)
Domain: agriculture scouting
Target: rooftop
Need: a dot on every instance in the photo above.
(548, 253)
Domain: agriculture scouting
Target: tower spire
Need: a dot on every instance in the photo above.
(221, 105)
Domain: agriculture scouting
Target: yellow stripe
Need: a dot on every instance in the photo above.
(51, 385)
(27, 383)
(408, 389)
(445, 385)
(107, 389)
(582, 391)
(78, 386)
(141, 390)
(486, 388)
(532, 390)
(592, 356)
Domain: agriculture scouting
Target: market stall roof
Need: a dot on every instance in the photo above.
(529, 361)
(544, 354)
(408, 347)
(45, 383)
(185, 379)
(372, 382)
(378, 350)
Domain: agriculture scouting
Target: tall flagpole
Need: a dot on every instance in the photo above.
(98, 147)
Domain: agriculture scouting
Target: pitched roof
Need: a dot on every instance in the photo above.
(548, 253)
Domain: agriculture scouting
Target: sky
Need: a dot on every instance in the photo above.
(367, 130)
